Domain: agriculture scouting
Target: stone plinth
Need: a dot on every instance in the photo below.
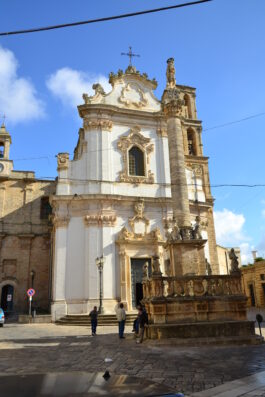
(187, 257)
(214, 305)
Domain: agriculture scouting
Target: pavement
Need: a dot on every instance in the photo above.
(48, 348)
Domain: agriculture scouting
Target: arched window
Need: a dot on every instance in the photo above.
(188, 105)
(2, 150)
(191, 142)
(136, 161)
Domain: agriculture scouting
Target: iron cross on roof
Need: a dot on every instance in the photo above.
(130, 54)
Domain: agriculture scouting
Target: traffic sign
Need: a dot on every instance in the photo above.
(31, 292)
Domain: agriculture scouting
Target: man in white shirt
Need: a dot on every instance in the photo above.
(121, 317)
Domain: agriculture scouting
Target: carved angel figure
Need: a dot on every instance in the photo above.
(234, 261)
(171, 79)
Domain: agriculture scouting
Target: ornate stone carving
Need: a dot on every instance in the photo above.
(208, 267)
(139, 219)
(196, 232)
(171, 78)
(172, 103)
(128, 96)
(60, 221)
(234, 262)
(135, 138)
(105, 218)
(98, 124)
(156, 266)
(99, 93)
(62, 161)
(145, 270)
(196, 168)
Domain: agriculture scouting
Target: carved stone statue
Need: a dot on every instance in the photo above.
(208, 267)
(139, 209)
(234, 262)
(171, 79)
(197, 229)
(145, 270)
(156, 265)
(98, 89)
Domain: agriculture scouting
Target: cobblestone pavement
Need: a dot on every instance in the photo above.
(38, 348)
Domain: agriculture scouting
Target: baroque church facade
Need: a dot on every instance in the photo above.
(138, 178)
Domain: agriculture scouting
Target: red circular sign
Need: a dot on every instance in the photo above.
(31, 292)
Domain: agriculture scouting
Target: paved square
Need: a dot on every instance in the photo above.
(36, 348)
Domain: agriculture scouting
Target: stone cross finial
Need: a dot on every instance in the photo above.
(171, 79)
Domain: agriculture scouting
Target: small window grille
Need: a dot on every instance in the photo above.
(136, 162)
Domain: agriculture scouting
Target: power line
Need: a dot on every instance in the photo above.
(235, 121)
(132, 14)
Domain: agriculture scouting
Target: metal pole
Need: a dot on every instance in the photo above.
(30, 298)
(100, 288)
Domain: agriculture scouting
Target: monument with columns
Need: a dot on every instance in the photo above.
(136, 189)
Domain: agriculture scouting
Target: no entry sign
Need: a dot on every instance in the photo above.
(31, 292)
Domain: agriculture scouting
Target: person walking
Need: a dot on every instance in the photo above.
(94, 320)
(121, 317)
(142, 319)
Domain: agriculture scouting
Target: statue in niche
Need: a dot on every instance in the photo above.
(197, 229)
(208, 267)
(234, 262)
(171, 79)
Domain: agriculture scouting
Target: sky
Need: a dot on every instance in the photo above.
(218, 47)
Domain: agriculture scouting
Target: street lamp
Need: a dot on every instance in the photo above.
(100, 263)
(32, 275)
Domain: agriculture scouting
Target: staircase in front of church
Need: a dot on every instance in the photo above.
(103, 319)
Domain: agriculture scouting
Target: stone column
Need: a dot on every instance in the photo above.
(179, 188)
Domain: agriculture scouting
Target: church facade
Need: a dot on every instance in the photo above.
(128, 188)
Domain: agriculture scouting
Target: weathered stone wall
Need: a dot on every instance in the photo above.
(24, 240)
(254, 275)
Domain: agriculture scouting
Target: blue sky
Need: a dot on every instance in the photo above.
(218, 47)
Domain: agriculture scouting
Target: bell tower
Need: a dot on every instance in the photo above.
(6, 165)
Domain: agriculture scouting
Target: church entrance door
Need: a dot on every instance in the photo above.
(136, 279)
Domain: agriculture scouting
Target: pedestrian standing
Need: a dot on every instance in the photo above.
(121, 317)
(94, 320)
(143, 320)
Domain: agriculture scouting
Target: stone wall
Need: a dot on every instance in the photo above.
(24, 240)
(254, 275)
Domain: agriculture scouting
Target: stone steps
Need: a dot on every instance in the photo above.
(103, 319)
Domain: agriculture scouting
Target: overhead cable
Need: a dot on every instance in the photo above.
(105, 19)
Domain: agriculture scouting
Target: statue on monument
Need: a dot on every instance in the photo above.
(208, 267)
(145, 270)
(234, 262)
(171, 79)
(197, 229)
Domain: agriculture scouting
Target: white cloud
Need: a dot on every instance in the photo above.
(18, 98)
(69, 85)
(229, 232)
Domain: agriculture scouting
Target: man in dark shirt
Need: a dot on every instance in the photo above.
(142, 320)
(94, 320)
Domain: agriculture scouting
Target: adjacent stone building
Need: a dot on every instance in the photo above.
(223, 258)
(25, 238)
(253, 279)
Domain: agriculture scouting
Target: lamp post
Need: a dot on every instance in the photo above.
(32, 275)
(100, 263)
